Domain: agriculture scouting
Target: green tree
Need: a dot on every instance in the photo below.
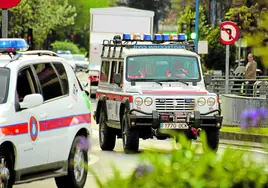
(188, 13)
(42, 16)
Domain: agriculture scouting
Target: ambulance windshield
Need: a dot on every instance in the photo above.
(4, 78)
(163, 68)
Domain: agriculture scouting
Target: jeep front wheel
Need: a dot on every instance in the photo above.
(130, 137)
(107, 135)
(211, 138)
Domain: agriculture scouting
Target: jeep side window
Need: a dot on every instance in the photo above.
(113, 71)
(121, 71)
(63, 77)
(105, 66)
(49, 81)
(26, 84)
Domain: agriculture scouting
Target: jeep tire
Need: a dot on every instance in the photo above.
(130, 137)
(9, 160)
(211, 138)
(77, 170)
(107, 135)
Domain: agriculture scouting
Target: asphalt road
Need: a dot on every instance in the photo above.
(101, 161)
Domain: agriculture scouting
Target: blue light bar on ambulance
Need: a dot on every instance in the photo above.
(126, 36)
(182, 37)
(13, 45)
(165, 37)
(147, 37)
(158, 37)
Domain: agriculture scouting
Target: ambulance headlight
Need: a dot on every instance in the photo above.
(211, 101)
(201, 101)
(148, 101)
(138, 101)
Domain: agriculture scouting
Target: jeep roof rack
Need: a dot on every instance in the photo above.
(142, 44)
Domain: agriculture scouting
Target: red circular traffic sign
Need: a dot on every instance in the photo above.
(5, 4)
(229, 32)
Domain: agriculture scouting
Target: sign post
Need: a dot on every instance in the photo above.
(229, 33)
(5, 5)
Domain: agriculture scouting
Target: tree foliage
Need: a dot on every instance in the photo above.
(247, 18)
(188, 13)
(42, 16)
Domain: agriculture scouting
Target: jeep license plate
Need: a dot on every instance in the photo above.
(174, 126)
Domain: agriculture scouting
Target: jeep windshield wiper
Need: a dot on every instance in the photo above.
(146, 79)
(172, 80)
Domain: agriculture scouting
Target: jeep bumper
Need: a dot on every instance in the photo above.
(158, 119)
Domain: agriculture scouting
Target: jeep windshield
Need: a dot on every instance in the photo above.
(162, 68)
(4, 82)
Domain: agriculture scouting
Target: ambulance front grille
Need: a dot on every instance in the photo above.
(172, 105)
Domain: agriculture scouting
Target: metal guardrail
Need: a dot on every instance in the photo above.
(241, 87)
(233, 105)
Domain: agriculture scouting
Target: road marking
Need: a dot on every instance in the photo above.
(93, 159)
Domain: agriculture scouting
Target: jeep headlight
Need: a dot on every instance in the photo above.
(148, 101)
(211, 101)
(201, 101)
(138, 101)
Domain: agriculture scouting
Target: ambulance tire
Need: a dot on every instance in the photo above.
(130, 137)
(211, 138)
(70, 180)
(9, 158)
(107, 135)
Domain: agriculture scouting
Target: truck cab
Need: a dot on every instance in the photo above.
(150, 87)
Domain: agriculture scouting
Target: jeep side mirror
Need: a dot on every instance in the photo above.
(207, 79)
(117, 79)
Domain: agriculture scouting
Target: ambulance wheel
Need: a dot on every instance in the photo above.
(9, 164)
(77, 167)
(130, 137)
(107, 135)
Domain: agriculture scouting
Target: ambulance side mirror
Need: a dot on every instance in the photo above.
(32, 100)
(117, 79)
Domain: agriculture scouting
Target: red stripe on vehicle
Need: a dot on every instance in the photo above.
(116, 97)
(15, 129)
(163, 92)
(63, 122)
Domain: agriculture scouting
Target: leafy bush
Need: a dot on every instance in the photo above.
(190, 168)
(62, 45)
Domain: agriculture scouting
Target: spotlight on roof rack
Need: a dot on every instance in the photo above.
(126, 36)
(173, 37)
(165, 37)
(147, 37)
(158, 37)
(13, 45)
(136, 36)
(182, 37)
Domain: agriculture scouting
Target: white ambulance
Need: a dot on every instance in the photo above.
(44, 118)
(150, 85)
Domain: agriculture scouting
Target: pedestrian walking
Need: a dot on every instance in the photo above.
(250, 74)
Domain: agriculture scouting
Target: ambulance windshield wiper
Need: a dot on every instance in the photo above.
(145, 79)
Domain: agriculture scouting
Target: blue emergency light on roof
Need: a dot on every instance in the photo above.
(165, 37)
(147, 37)
(126, 36)
(13, 45)
(158, 37)
(182, 37)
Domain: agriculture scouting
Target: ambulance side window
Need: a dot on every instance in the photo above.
(105, 66)
(113, 71)
(121, 70)
(26, 84)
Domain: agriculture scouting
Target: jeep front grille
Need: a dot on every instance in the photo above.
(171, 105)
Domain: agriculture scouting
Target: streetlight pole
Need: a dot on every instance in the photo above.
(196, 24)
